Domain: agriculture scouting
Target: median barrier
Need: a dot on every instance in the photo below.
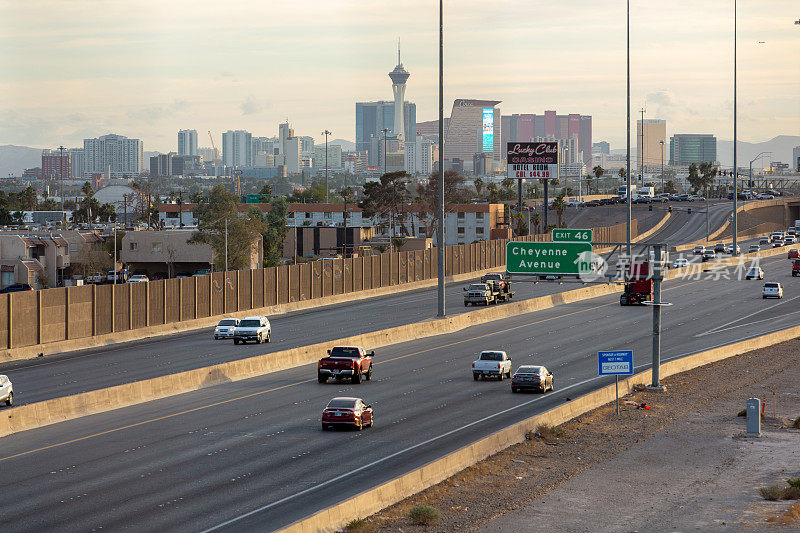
(388, 493)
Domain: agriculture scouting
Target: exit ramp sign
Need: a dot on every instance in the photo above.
(572, 235)
(557, 258)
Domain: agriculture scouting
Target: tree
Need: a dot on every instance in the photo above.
(275, 231)
(670, 187)
(48, 205)
(694, 177)
(312, 195)
(428, 195)
(559, 205)
(214, 213)
(385, 198)
(107, 213)
(707, 173)
(536, 220)
(86, 189)
(478, 182)
(494, 196)
(507, 183)
(622, 172)
(521, 226)
(266, 190)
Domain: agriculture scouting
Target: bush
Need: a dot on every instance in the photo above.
(743, 412)
(796, 423)
(794, 482)
(424, 515)
(791, 493)
(548, 432)
(359, 525)
(772, 493)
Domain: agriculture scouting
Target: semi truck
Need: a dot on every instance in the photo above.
(638, 284)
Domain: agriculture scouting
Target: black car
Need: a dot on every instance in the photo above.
(16, 287)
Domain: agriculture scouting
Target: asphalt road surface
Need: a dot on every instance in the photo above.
(250, 455)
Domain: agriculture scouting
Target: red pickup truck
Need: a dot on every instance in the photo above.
(352, 362)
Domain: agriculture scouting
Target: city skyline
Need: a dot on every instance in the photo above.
(162, 69)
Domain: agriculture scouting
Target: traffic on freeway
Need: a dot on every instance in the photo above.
(251, 455)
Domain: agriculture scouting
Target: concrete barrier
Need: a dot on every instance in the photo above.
(401, 487)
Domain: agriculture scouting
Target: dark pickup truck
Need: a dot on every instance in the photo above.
(352, 362)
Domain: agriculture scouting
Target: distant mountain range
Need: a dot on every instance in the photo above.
(15, 159)
(347, 146)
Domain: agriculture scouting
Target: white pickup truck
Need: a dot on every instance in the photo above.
(492, 363)
(252, 328)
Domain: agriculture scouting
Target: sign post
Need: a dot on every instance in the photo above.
(548, 258)
(614, 363)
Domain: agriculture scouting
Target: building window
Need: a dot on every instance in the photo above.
(460, 231)
(326, 215)
(478, 231)
(308, 215)
(479, 216)
(156, 247)
(73, 247)
(134, 246)
(461, 215)
(422, 230)
(290, 215)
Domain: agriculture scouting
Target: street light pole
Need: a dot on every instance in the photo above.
(115, 254)
(440, 207)
(628, 125)
(662, 166)
(735, 167)
(226, 245)
(326, 133)
(750, 175)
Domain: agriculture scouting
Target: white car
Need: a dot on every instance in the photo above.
(699, 249)
(224, 329)
(729, 249)
(680, 262)
(492, 363)
(754, 248)
(754, 273)
(772, 290)
(138, 278)
(6, 391)
(764, 196)
(252, 328)
(777, 243)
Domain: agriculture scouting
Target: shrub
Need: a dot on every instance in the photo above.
(548, 432)
(796, 423)
(743, 412)
(791, 493)
(772, 493)
(794, 482)
(424, 515)
(359, 525)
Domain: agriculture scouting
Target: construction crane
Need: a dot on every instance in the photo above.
(214, 147)
(238, 173)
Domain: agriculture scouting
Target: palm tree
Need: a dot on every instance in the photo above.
(536, 220)
(559, 205)
(478, 185)
(86, 189)
(598, 173)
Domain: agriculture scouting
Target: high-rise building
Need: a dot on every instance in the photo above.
(78, 161)
(55, 165)
(373, 117)
(399, 76)
(161, 165)
(187, 142)
(474, 128)
(335, 160)
(796, 158)
(524, 127)
(237, 148)
(116, 156)
(264, 151)
(685, 149)
(650, 134)
(284, 133)
(419, 156)
(293, 155)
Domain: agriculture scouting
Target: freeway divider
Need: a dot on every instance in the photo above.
(401, 487)
(30, 416)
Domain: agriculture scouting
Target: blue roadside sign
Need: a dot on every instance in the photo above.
(614, 363)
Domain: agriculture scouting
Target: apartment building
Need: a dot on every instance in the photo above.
(38, 260)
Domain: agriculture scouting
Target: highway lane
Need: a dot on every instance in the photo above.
(74, 372)
(207, 457)
(684, 228)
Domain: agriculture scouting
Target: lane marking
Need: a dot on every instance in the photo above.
(230, 400)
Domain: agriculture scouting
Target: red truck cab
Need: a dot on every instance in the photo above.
(352, 362)
(796, 268)
(638, 285)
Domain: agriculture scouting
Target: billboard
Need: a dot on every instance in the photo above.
(532, 160)
(488, 129)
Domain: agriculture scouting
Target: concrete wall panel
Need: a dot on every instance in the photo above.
(347, 275)
(80, 312)
(171, 286)
(283, 284)
(156, 303)
(121, 301)
(187, 299)
(139, 302)
(102, 306)
(294, 283)
(53, 315)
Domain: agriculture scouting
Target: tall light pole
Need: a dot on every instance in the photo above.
(735, 168)
(662, 165)
(440, 207)
(628, 125)
(115, 254)
(326, 133)
(61, 182)
(226, 245)
(750, 174)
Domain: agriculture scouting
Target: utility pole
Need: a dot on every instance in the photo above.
(115, 253)
(440, 207)
(641, 156)
(658, 276)
(226, 245)
(662, 166)
(326, 133)
(61, 181)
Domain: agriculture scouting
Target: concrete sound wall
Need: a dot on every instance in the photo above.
(41, 321)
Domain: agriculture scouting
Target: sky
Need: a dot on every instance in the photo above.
(71, 69)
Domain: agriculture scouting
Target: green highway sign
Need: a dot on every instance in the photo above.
(560, 258)
(253, 199)
(572, 235)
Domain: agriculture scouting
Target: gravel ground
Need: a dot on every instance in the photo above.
(684, 465)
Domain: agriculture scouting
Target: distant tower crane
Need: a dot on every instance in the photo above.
(214, 147)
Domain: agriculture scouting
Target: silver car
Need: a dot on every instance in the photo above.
(6, 391)
(224, 329)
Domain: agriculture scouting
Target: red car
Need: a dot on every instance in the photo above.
(344, 411)
(793, 254)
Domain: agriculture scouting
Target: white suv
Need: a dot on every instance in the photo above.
(6, 391)
(252, 328)
(772, 290)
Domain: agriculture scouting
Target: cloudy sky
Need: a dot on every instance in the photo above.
(146, 68)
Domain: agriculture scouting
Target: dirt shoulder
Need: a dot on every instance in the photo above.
(682, 465)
